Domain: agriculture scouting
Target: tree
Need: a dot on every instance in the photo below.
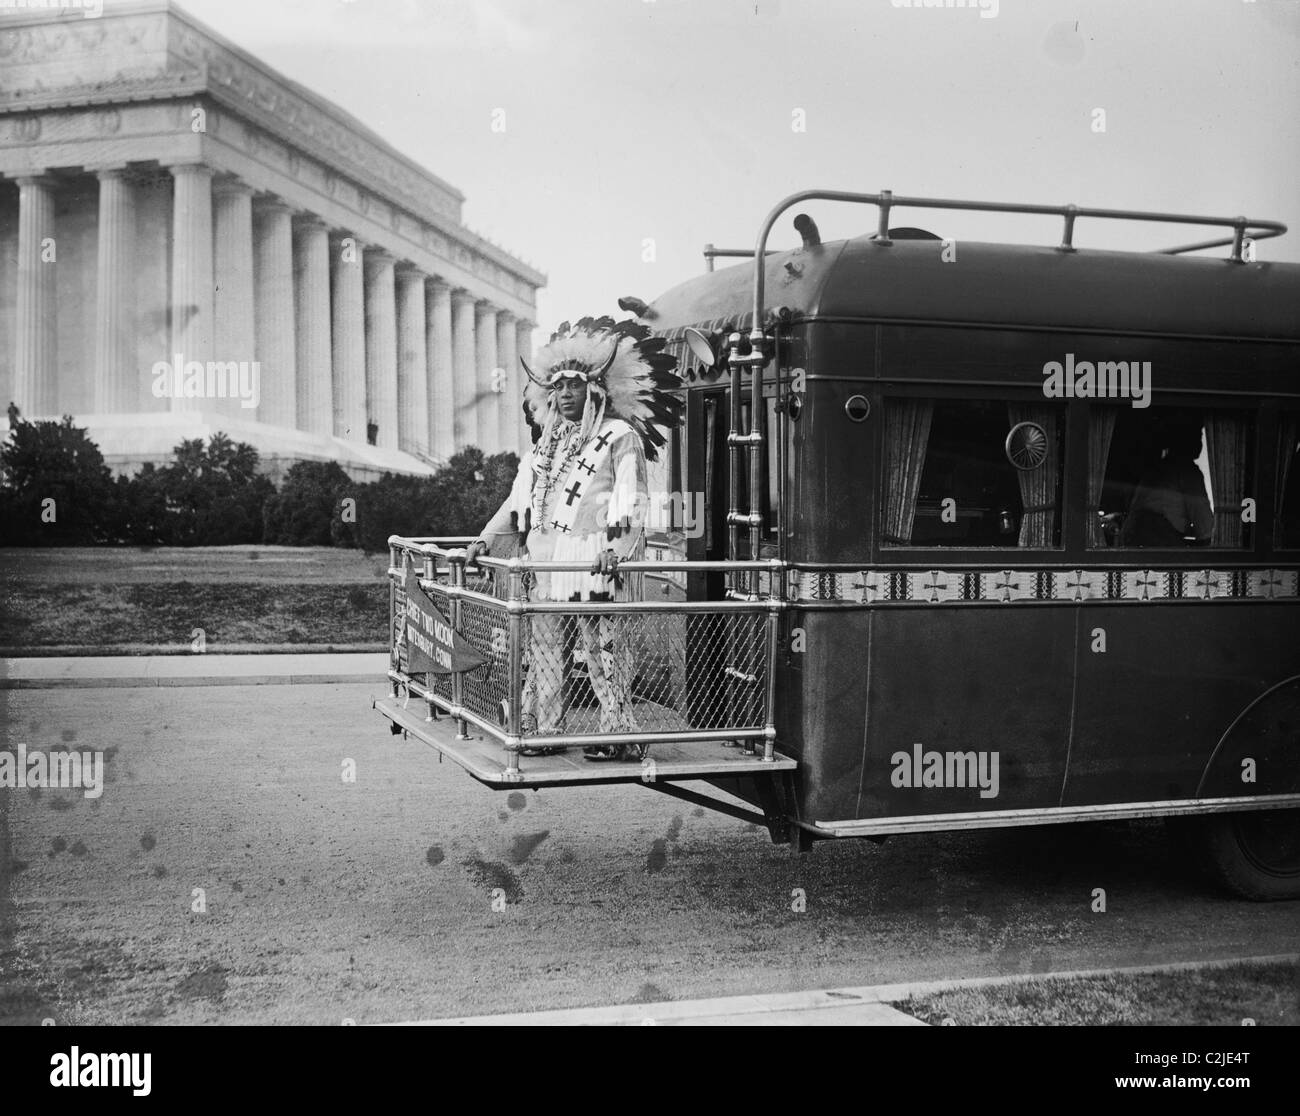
(467, 491)
(56, 491)
(141, 513)
(309, 510)
(214, 494)
(391, 505)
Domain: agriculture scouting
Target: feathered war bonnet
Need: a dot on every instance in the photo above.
(627, 372)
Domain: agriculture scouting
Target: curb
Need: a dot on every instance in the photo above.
(895, 993)
(184, 650)
(176, 681)
(71, 672)
(871, 1004)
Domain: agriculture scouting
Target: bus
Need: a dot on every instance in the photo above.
(956, 535)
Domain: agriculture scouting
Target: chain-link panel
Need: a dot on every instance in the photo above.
(486, 629)
(613, 672)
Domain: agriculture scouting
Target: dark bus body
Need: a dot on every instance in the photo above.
(1109, 682)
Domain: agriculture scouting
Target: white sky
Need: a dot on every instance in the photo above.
(672, 119)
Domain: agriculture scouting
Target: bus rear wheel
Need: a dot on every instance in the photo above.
(1255, 854)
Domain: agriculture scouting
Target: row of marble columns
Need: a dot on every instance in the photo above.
(347, 336)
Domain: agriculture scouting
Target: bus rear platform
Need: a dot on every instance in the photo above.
(487, 760)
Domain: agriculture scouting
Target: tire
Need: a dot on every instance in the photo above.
(1255, 854)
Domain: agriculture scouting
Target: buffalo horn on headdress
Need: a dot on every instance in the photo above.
(605, 367)
(529, 372)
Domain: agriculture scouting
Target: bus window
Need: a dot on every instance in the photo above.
(1288, 484)
(1169, 476)
(950, 482)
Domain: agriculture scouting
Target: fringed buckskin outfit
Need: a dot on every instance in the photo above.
(580, 491)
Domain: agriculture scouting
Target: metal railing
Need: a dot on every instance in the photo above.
(593, 673)
(1242, 227)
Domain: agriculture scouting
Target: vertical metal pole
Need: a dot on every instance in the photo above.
(733, 515)
(1067, 234)
(882, 229)
(515, 672)
(393, 629)
(458, 679)
(1238, 234)
(733, 455)
(430, 569)
(756, 447)
(776, 593)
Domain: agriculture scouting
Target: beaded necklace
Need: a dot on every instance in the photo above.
(553, 466)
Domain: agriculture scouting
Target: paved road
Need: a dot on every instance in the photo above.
(373, 900)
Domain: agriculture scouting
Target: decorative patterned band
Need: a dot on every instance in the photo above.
(958, 586)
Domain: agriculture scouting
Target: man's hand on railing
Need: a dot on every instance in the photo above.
(607, 563)
(477, 547)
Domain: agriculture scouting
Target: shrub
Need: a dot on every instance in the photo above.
(214, 494)
(57, 491)
(308, 509)
(457, 500)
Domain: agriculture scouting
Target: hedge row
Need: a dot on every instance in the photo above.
(57, 491)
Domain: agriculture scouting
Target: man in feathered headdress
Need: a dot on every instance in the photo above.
(602, 397)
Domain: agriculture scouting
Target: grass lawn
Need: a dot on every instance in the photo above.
(149, 599)
(1268, 994)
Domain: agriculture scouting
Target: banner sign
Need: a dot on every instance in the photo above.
(431, 645)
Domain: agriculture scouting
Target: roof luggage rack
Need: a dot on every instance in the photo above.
(1242, 227)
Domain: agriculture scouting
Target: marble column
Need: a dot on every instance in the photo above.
(524, 348)
(442, 407)
(35, 323)
(488, 380)
(233, 298)
(274, 311)
(463, 358)
(311, 274)
(192, 279)
(381, 347)
(117, 379)
(412, 363)
(511, 397)
(348, 336)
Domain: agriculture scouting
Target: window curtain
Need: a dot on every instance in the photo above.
(907, 433)
(1225, 445)
(1038, 486)
(1290, 435)
(1100, 430)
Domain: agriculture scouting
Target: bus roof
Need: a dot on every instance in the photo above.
(1000, 285)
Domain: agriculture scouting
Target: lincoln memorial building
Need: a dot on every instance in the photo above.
(191, 243)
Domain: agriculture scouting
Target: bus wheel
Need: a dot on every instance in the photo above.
(1255, 854)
